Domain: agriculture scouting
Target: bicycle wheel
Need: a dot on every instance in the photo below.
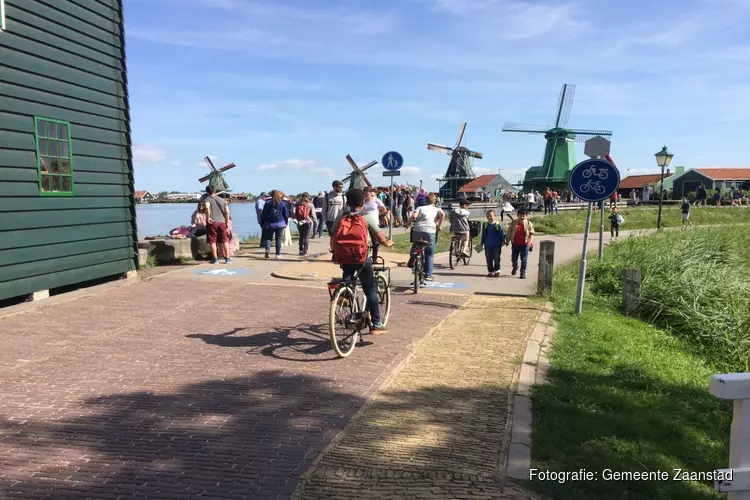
(384, 299)
(417, 274)
(342, 324)
(467, 259)
(452, 255)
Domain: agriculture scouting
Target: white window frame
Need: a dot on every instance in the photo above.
(2, 15)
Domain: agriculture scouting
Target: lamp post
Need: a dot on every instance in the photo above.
(663, 158)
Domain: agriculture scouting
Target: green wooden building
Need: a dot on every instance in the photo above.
(67, 209)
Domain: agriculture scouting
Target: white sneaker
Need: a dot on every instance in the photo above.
(278, 257)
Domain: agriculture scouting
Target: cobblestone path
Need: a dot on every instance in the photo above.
(438, 430)
(184, 387)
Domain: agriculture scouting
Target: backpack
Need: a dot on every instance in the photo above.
(303, 212)
(351, 240)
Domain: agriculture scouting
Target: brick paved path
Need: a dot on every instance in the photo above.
(138, 391)
(437, 430)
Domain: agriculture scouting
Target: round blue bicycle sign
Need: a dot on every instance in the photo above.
(594, 180)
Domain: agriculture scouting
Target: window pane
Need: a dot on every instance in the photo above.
(54, 183)
(53, 149)
(728, 185)
(43, 147)
(45, 183)
(64, 166)
(51, 130)
(62, 131)
(66, 184)
(54, 166)
(41, 130)
(44, 164)
(738, 184)
(63, 146)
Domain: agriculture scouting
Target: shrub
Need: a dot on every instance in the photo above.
(694, 284)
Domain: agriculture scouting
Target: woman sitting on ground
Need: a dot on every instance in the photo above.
(198, 221)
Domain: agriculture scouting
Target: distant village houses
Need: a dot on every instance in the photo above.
(143, 197)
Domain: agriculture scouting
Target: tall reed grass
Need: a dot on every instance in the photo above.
(695, 284)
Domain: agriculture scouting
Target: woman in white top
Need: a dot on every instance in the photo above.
(373, 205)
(427, 221)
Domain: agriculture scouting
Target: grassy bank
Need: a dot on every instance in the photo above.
(574, 222)
(401, 243)
(631, 394)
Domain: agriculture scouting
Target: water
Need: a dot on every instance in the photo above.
(160, 218)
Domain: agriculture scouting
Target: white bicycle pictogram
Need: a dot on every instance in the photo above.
(592, 171)
(596, 186)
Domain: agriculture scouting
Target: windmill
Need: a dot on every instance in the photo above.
(559, 155)
(358, 179)
(459, 169)
(216, 178)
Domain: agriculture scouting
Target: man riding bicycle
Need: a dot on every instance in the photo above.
(351, 234)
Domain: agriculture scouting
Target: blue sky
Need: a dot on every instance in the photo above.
(286, 88)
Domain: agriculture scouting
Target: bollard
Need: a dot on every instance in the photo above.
(736, 479)
(546, 265)
(631, 289)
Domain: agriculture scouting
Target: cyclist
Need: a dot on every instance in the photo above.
(460, 226)
(427, 221)
(350, 236)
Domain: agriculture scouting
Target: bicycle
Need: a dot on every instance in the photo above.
(349, 308)
(454, 254)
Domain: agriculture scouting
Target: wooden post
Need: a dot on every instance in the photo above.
(546, 265)
(631, 289)
(736, 479)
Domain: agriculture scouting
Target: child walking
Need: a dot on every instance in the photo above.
(614, 223)
(493, 238)
(685, 209)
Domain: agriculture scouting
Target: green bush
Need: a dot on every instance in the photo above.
(694, 284)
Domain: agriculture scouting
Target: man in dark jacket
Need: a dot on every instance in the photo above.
(319, 202)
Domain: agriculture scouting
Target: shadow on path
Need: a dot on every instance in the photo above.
(248, 437)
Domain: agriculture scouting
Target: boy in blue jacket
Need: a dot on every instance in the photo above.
(493, 239)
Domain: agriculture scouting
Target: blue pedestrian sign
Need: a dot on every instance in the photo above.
(594, 180)
(392, 161)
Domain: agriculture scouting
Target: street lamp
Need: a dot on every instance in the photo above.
(663, 158)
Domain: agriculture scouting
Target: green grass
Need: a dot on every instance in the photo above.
(401, 243)
(150, 261)
(626, 395)
(574, 222)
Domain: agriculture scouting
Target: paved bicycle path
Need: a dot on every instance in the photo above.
(439, 428)
(185, 386)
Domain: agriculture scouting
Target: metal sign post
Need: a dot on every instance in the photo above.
(392, 163)
(601, 231)
(593, 181)
(582, 267)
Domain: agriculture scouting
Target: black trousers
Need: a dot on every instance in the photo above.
(304, 237)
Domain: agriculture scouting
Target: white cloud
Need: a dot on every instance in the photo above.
(483, 170)
(148, 155)
(177, 163)
(407, 170)
(297, 165)
(513, 19)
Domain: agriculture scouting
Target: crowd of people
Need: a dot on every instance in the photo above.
(314, 214)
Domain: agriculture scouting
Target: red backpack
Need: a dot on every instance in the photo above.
(351, 240)
(303, 212)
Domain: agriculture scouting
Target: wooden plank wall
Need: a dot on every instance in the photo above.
(65, 60)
